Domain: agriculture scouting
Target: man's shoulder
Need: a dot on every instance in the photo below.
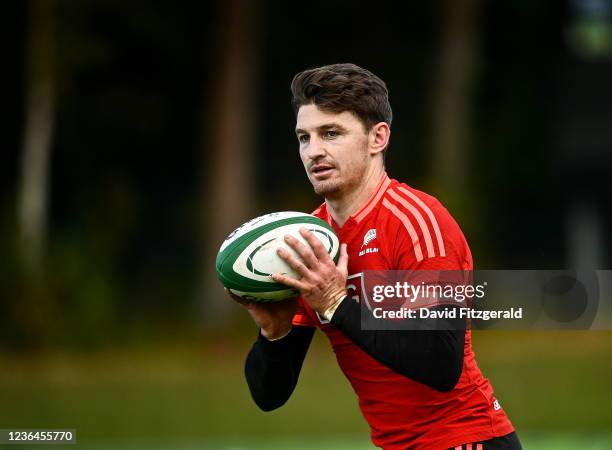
(417, 206)
(422, 223)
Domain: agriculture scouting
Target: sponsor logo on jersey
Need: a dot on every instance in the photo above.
(496, 405)
(367, 238)
(365, 251)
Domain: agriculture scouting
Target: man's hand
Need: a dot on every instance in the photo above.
(274, 318)
(322, 283)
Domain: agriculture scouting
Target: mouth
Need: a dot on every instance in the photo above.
(321, 171)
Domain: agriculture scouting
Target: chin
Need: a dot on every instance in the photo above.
(326, 188)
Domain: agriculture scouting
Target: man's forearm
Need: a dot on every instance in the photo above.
(431, 357)
(272, 368)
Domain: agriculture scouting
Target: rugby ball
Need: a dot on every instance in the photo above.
(248, 255)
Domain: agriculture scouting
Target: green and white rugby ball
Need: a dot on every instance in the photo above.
(248, 255)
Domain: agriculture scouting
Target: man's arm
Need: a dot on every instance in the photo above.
(434, 358)
(431, 357)
(273, 365)
(272, 368)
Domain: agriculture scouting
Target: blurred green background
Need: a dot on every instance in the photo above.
(139, 134)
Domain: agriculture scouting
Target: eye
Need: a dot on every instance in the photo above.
(303, 138)
(331, 134)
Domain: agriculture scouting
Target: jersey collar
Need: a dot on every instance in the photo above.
(366, 208)
(373, 200)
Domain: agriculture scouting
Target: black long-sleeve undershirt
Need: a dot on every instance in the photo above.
(272, 368)
(431, 357)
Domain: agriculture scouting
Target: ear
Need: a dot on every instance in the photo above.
(379, 137)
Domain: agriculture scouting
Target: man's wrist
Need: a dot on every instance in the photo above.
(329, 312)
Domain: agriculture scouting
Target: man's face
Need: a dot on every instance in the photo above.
(333, 148)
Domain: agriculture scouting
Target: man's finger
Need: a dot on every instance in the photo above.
(305, 252)
(317, 247)
(294, 262)
(288, 281)
(343, 260)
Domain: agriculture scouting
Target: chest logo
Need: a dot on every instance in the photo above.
(369, 237)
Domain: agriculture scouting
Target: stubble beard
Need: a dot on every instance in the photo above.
(337, 187)
(327, 188)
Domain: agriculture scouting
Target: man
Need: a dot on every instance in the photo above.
(416, 389)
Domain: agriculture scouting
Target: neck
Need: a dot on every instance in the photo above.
(348, 203)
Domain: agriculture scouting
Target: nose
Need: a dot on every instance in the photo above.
(315, 149)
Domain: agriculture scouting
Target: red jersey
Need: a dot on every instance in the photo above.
(400, 228)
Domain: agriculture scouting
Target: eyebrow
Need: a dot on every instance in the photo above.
(324, 127)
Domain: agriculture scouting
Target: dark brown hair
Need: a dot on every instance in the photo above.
(343, 87)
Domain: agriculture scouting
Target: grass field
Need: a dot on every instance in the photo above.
(554, 386)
